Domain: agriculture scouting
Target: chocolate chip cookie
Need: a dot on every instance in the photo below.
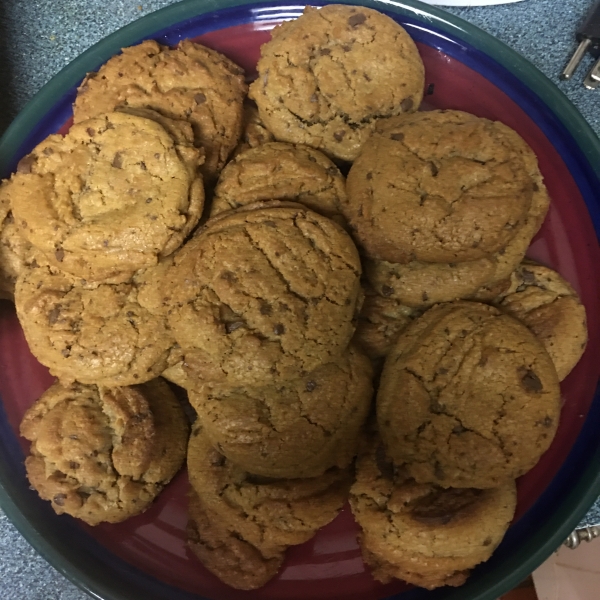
(262, 294)
(103, 454)
(91, 333)
(224, 552)
(326, 77)
(468, 397)
(541, 299)
(296, 428)
(112, 196)
(270, 514)
(189, 82)
(420, 532)
(278, 171)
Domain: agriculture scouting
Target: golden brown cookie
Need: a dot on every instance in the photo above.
(324, 78)
(278, 171)
(421, 284)
(419, 532)
(541, 299)
(189, 82)
(297, 428)
(380, 321)
(91, 333)
(16, 253)
(438, 186)
(468, 397)
(224, 552)
(263, 294)
(104, 454)
(270, 514)
(112, 196)
(254, 132)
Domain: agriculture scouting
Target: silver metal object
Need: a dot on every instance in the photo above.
(586, 534)
(576, 59)
(592, 79)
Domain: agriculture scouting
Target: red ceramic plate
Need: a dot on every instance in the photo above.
(146, 556)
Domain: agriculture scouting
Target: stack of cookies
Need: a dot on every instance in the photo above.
(181, 232)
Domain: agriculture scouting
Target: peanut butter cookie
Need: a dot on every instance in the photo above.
(438, 186)
(278, 171)
(90, 333)
(189, 82)
(541, 299)
(102, 454)
(419, 532)
(112, 196)
(270, 514)
(297, 428)
(326, 77)
(468, 397)
(224, 552)
(262, 294)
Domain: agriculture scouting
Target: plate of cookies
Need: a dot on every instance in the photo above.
(299, 301)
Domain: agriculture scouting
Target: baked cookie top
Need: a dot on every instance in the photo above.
(224, 552)
(296, 428)
(268, 513)
(104, 454)
(16, 253)
(479, 400)
(90, 333)
(279, 171)
(439, 186)
(420, 532)
(324, 78)
(544, 301)
(189, 82)
(380, 321)
(254, 132)
(262, 294)
(110, 197)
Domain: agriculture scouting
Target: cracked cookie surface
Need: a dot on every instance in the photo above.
(296, 428)
(271, 514)
(224, 551)
(262, 294)
(112, 196)
(419, 532)
(90, 333)
(468, 397)
(544, 301)
(324, 78)
(104, 454)
(438, 186)
(189, 82)
(279, 171)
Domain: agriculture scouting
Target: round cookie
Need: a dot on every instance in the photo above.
(254, 132)
(270, 514)
(421, 284)
(16, 253)
(112, 196)
(419, 532)
(224, 552)
(468, 397)
(541, 299)
(102, 454)
(278, 171)
(380, 321)
(297, 428)
(189, 82)
(326, 77)
(91, 333)
(438, 186)
(262, 294)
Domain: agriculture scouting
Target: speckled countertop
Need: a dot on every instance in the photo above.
(39, 37)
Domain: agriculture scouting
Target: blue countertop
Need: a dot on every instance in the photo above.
(39, 37)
